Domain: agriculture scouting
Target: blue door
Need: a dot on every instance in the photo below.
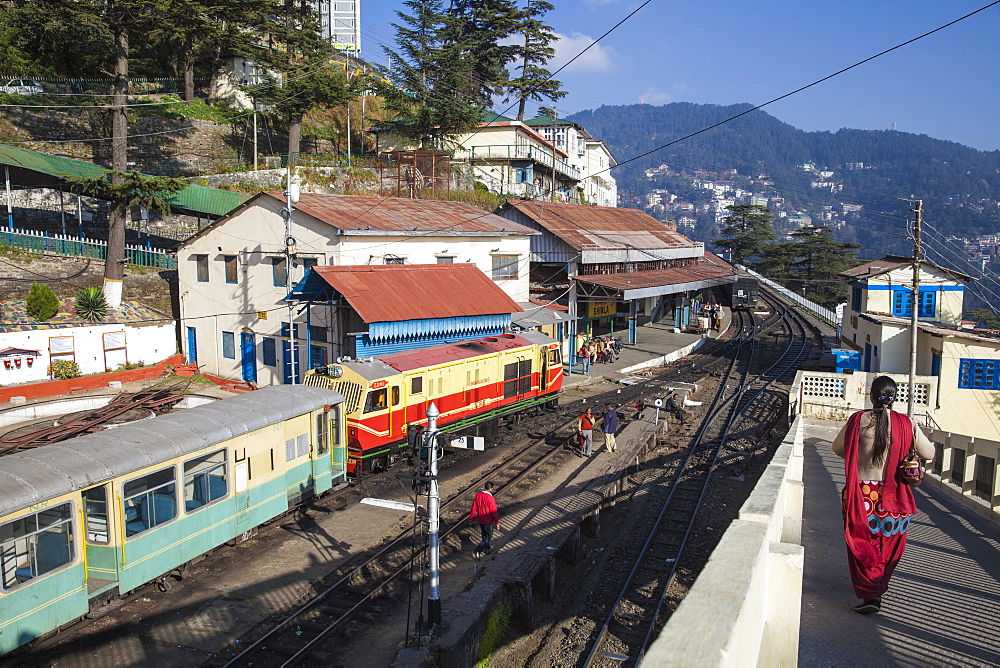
(192, 356)
(248, 350)
(868, 357)
(935, 364)
(286, 363)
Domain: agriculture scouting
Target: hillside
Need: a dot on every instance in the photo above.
(832, 177)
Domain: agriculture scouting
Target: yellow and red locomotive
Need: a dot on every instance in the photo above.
(474, 382)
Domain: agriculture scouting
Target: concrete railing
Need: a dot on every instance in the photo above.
(743, 610)
(834, 396)
(967, 469)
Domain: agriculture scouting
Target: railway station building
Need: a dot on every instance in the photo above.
(234, 276)
(614, 268)
(960, 367)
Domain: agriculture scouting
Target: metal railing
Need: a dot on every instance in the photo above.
(63, 244)
(823, 312)
(521, 152)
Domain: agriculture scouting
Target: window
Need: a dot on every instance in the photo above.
(555, 357)
(279, 271)
(394, 259)
(270, 352)
(322, 433)
(95, 505)
(36, 544)
(417, 385)
(229, 345)
(231, 267)
(856, 298)
(978, 374)
(317, 357)
(149, 501)
(902, 303)
(445, 259)
(308, 263)
(204, 480)
(317, 333)
(284, 330)
(376, 400)
(395, 395)
(201, 262)
(504, 267)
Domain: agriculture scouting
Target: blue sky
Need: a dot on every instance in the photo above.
(724, 52)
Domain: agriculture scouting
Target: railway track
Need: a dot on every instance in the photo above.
(729, 425)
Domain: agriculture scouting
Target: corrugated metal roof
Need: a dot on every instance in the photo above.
(396, 292)
(891, 262)
(358, 214)
(589, 227)
(708, 267)
(41, 170)
(28, 478)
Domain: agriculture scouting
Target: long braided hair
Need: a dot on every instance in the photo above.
(883, 394)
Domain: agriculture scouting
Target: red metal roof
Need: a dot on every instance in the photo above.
(358, 214)
(451, 352)
(709, 266)
(397, 292)
(601, 227)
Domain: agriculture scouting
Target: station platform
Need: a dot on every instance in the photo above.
(943, 604)
(656, 344)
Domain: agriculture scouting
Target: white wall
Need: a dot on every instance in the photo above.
(149, 345)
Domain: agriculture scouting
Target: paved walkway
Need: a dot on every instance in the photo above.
(943, 606)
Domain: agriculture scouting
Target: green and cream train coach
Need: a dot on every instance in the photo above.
(87, 520)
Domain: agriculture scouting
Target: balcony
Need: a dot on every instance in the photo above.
(536, 154)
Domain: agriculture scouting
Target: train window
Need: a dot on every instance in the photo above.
(95, 501)
(555, 357)
(36, 544)
(416, 385)
(376, 400)
(395, 395)
(322, 434)
(204, 480)
(149, 501)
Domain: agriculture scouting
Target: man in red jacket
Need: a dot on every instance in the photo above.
(484, 511)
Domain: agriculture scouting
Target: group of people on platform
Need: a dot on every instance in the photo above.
(585, 430)
(599, 350)
(713, 311)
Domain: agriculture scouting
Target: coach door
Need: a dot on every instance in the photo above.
(103, 555)
(543, 370)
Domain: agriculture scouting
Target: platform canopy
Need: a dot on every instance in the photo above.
(710, 271)
(31, 169)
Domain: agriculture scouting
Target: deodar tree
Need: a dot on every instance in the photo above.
(745, 230)
(534, 82)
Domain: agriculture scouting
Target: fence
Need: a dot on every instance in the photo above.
(63, 244)
(821, 311)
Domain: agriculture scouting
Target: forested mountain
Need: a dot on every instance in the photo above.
(960, 186)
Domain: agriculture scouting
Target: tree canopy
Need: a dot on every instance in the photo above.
(745, 230)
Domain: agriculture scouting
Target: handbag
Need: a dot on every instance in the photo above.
(911, 469)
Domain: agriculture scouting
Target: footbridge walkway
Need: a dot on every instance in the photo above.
(791, 602)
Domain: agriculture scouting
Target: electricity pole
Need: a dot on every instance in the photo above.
(291, 197)
(915, 310)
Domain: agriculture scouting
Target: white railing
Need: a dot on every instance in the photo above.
(822, 311)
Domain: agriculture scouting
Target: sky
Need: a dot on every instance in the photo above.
(946, 85)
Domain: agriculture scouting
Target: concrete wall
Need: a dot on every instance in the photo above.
(743, 610)
(149, 345)
(962, 407)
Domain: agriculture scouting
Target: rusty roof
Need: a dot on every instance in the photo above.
(452, 352)
(891, 262)
(591, 227)
(398, 292)
(362, 214)
(709, 266)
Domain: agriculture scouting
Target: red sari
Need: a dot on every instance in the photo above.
(876, 515)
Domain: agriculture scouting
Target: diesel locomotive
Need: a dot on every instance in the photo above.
(473, 383)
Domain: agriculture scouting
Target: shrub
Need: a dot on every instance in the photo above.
(64, 369)
(42, 302)
(91, 304)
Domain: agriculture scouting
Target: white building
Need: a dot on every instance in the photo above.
(234, 275)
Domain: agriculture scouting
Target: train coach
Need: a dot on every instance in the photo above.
(88, 519)
(473, 383)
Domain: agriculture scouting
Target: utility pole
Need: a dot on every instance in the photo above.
(915, 310)
(433, 517)
(291, 197)
(255, 135)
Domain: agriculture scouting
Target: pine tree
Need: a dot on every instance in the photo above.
(535, 82)
(481, 30)
(819, 258)
(745, 230)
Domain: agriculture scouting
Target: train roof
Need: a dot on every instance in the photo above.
(374, 368)
(30, 477)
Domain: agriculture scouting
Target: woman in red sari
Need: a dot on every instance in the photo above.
(877, 505)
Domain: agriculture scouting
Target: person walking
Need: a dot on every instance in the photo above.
(877, 504)
(609, 425)
(673, 406)
(585, 429)
(485, 513)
